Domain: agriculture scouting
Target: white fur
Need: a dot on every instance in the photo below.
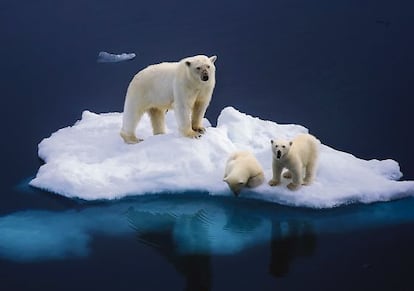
(164, 86)
(298, 156)
(243, 169)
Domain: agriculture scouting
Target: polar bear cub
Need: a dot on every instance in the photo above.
(243, 169)
(186, 86)
(298, 156)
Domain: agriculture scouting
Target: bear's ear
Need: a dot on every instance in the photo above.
(188, 63)
(271, 141)
(290, 143)
(213, 59)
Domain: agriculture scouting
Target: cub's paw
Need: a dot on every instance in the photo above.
(307, 182)
(292, 186)
(273, 182)
(287, 175)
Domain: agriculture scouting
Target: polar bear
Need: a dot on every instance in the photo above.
(243, 169)
(186, 86)
(299, 156)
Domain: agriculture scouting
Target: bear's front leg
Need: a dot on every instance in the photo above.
(199, 110)
(183, 114)
(277, 171)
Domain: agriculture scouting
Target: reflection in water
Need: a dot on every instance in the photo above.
(187, 230)
(195, 267)
(290, 239)
(186, 240)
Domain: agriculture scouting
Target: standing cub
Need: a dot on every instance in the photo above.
(243, 169)
(299, 156)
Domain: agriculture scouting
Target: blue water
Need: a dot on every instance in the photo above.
(194, 242)
(196, 224)
(344, 69)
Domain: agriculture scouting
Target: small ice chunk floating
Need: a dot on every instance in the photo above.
(105, 57)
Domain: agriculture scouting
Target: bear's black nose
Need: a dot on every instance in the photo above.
(278, 154)
(204, 78)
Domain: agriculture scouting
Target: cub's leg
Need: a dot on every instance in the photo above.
(297, 179)
(287, 175)
(309, 173)
(255, 180)
(277, 171)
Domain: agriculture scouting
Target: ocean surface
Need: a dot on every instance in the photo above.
(344, 69)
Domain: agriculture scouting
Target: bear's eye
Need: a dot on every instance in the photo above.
(283, 146)
(276, 146)
(198, 68)
(208, 67)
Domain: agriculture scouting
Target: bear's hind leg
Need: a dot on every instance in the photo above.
(287, 175)
(129, 123)
(309, 173)
(255, 180)
(296, 178)
(157, 117)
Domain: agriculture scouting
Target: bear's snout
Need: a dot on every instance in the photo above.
(204, 75)
(278, 154)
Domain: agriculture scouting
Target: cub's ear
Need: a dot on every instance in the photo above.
(290, 143)
(213, 59)
(271, 141)
(188, 63)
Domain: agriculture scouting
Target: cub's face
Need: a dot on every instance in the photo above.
(235, 185)
(280, 148)
(202, 67)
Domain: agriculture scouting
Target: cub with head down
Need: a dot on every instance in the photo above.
(185, 86)
(298, 156)
(243, 170)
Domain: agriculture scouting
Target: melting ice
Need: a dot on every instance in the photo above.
(90, 161)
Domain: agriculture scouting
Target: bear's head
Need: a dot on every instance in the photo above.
(235, 184)
(201, 67)
(280, 148)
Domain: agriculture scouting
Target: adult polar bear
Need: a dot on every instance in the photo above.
(186, 86)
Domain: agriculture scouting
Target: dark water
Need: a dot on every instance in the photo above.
(344, 69)
(193, 242)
